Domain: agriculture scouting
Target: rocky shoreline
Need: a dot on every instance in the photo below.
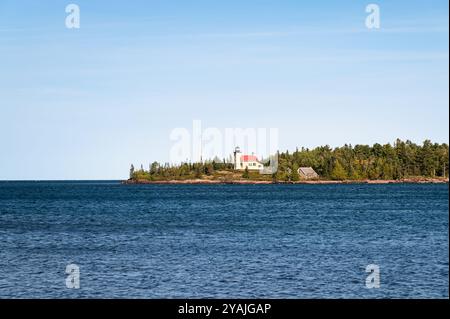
(313, 182)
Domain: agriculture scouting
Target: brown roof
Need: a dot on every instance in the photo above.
(308, 172)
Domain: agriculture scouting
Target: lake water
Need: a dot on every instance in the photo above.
(198, 241)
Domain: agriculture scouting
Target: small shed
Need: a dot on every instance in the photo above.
(307, 173)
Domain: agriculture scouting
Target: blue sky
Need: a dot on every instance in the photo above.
(85, 103)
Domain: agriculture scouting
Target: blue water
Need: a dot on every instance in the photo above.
(176, 241)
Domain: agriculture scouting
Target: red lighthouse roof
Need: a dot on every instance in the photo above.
(249, 158)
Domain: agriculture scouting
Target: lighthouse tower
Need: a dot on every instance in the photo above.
(237, 158)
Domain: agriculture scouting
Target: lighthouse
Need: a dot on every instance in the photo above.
(237, 158)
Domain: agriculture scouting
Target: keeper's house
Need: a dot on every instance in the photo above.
(241, 162)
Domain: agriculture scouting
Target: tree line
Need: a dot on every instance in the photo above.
(402, 159)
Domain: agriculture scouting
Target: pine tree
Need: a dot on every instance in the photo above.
(154, 168)
(338, 172)
(294, 174)
(198, 173)
(246, 173)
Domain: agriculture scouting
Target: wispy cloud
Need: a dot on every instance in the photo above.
(274, 32)
(303, 31)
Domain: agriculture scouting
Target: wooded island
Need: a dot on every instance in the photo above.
(400, 162)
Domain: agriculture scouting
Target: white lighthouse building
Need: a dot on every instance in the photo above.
(241, 162)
